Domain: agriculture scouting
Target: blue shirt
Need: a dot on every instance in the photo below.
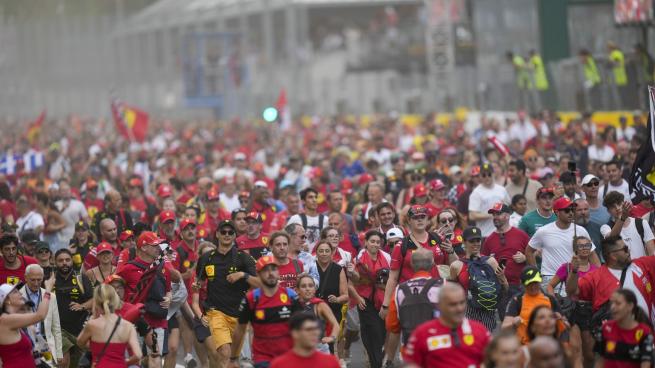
(599, 215)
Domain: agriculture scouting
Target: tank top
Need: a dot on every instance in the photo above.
(329, 285)
(114, 356)
(18, 354)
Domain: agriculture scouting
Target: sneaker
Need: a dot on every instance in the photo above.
(190, 361)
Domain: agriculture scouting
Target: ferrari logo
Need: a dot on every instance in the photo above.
(263, 217)
(433, 242)
(77, 258)
(639, 334)
(186, 264)
(611, 345)
(284, 298)
(12, 280)
(209, 270)
(264, 240)
(469, 340)
(259, 314)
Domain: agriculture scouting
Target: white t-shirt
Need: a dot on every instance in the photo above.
(312, 230)
(74, 212)
(230, 203)
(29, 222)
(556, 245)
(482, 199)
(604, 154)
(631, 237)
(624, 189)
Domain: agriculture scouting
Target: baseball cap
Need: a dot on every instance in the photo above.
(529, 275)
(164, 191)
(226, 223)
(126, 235)
(486, 167)
(5, 290)
(81, 225)
(589, 178)
(499, 208)
(136, 182)
(417, 210)
(254, 215)
(436, 184)
(104, 247)
(365, 178)
(28, 236)
(544, 190)
(111, 278)
(420, 190)
(475, 170)
(186, 222)
(244, 193)
(148, 238)
(567, 177)
(166, 216)
(563, 203)
(212, 195)
(38, 245)
(261, 184)
(91, 184)
(471, 233)
(455, 169)
(265, 261)
(239, 156)
(394, 232)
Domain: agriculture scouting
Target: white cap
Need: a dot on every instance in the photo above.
(5, 290)
(588, 178)
(394, 232)
(455, 169)
(239, 156)
(261, 184)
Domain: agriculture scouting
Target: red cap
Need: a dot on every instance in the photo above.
(148, 238)
(111, 278)
(244, 194)
(475, 171)
(436, 184)
(365, 178)
(91, 184)
(164, 191)
(186, 222)
(346, 186)
(126, 235)
(499, 208)
(254, 215)
(315, 172)
(212, 195)
(104, 247)
(417, 209)
(165, 216)
(544, 190)
(563, 203)
(265, 261)
(198, 160)
(420, 190)
(136, 182)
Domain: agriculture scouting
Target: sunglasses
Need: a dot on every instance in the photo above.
(592, 184)
(447, 220)
(485, 175)
(227, 232)
(625, 249)
(584, 246)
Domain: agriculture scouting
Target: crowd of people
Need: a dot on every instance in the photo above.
(220, 244)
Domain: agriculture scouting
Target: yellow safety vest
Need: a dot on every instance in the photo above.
(539, 73)
(620, 77)
(522, 77)
(591, 71)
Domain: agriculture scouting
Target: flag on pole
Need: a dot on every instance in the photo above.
(131, 122)
(34, 129)
(32, 160)
(8, 163)
(282, 107)
(642, 177)
(498, 145)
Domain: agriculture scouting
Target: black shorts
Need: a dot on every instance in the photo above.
(581, 316)
(173, 323)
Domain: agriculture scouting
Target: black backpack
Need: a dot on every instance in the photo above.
(639, 224)
(321, 219)
(416, 308)
(483, 284)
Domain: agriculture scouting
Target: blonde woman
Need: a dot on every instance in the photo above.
(107, 335)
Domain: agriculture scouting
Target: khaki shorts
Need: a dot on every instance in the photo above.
(221, 326)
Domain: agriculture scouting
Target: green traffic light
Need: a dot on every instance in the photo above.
(270, 114)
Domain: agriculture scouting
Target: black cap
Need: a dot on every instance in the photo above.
(38, 245)
(29, 237)
(499, 208)
(471, 233)
(81, 225)
(530, 274)
(226, 223)
(567, 177)
(486, 167)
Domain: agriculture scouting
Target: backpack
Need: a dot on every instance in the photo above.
(321, 219)
(484, 286)
(639, 224)
(155, 294)
(416, 308)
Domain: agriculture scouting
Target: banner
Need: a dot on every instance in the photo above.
(130, 122)
(642, 177)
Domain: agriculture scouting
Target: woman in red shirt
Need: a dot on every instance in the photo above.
(626, 340)
(306, 288)
(371, 266)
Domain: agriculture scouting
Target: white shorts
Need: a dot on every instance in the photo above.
(352, 319)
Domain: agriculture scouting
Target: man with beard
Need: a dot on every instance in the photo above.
(12, 267)
(292, 202)
(167, 226)
(570, 184)
(122, 219)
(582, 218)
(268, 309)
(597, 212)
(74, 300)
(386, 214)
(108, 234)
(519, 183)
(254, 242)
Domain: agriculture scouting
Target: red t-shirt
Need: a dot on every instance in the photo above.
(347, 245)
(515, 240)
(434, 210)
(625, 348)
(289, 273)
(268, 214)
(255, 247)
(184, 259)
(292, 360)
(432, 244)
(13, 277)
(432, 345)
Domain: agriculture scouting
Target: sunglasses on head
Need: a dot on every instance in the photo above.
(227, 232)
(592, 184)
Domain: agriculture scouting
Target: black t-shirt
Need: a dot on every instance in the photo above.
(214, 267)
(68, 290)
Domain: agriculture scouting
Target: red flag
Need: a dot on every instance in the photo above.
(34, 129)
(283, 109)
(131, 122)
(499, 146)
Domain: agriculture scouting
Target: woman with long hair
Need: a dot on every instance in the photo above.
(15, 345)
(333, 236)
(331, 279)
(368, 276)
(108, 335)
(627, 339)
(306, 288)
(504, 351)
(453, 226)
(542, 322)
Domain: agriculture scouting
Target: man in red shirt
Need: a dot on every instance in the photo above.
(268, 309)
(451, 340)
(261, 204)
(167, 226)
(148, 251)
(289, 269)
(214, 213)
(507, 245)
(306, 333)
(12, 268)
(186, 252)
(253, 241)
(108, 234)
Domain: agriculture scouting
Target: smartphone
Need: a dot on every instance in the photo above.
(449, 236)
(573, 167)
(503, 262)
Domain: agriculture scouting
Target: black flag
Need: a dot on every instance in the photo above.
(642, 177)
